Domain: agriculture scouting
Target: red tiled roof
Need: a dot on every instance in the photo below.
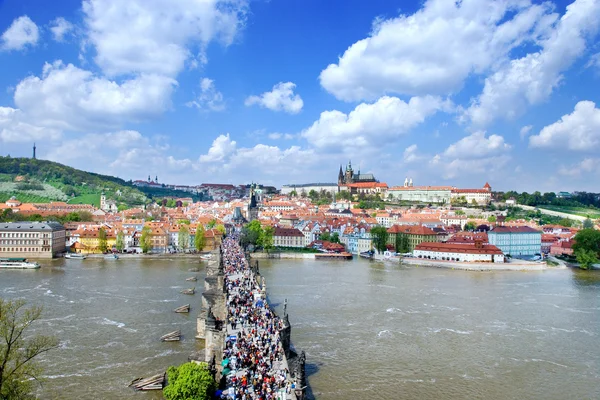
(458, 248)
(514, 229)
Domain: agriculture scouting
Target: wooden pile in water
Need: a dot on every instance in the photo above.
(183, 309)
(192, 279)
(189, 291)
(171, 337)
(156, 382)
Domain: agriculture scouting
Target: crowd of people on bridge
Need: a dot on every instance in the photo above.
(253, 355)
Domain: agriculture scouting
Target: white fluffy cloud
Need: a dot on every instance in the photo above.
(269, 164)
(473, 154)
(579, 131)
(477, 145)
(222, 147)
(15, 128)
(60, 27)
(22, 32)
(157, 36)
(532, 78)
(281, 98)
(71, 98)
(369, 124)
(209, 98)
(435, 49)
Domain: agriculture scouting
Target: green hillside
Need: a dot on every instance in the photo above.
(32, 180)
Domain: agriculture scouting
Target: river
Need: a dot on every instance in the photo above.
(370, 330)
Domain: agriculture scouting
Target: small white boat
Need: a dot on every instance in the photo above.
(111, 257)
(75, 256)
(206, 257)
(17, 263)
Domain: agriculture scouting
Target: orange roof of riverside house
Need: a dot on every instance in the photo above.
(416, 230)
(470, 191)
(458, 248)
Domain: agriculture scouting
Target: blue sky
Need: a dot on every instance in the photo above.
(284, 91)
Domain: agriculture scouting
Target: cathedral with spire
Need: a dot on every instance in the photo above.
(348, 177)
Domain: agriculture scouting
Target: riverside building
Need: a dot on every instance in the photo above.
(516, 240)
(32, 239)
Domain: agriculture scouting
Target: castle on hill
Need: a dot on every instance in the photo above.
(349, 177)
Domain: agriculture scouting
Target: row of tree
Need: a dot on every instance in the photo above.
(577, 199)
(8, 215)
(587, 247)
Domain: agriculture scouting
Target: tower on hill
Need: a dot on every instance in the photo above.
(34, 150)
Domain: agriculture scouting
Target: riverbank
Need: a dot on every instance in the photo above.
(518, 265)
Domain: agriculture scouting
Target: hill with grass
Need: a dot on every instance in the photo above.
(42, 181)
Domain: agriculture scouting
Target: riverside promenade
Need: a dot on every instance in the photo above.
(256, 349)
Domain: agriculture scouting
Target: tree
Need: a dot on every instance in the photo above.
(587, 239)
(459, 212)
(380, 235)
(325, 236)
(335, 238)
(183, 237)
(492, 219)
(586, 258)
(122, 207)
(146, 239)
(293, 193)
(102, 242)
(314, 196)
(211, 224)
(402, 245)
(199, 240)
(256, 228)
(248, 237)
(565, 222)
(120, 244)
(470, 226)
(18, 370)
(221, 228)
(189, 381)
(266, 238)
(588, 224)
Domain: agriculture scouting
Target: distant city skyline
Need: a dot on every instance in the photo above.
(235, 91)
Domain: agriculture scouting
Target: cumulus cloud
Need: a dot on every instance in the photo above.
(21, 33)
(209, 98)
(277, 136)
(532, 78)
(220, 150)
(15, 128)
(578, 131)
(473, 154)
(370, 124)
(435, 49)
(154, 36)
(68, 97)
(60, 27)
(281, 98)
(477, 145)
(225, 160)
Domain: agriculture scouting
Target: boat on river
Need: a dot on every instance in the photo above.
(75, 256)
(17, 263)
(367, 254)
(206, 257)
(111, 257)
